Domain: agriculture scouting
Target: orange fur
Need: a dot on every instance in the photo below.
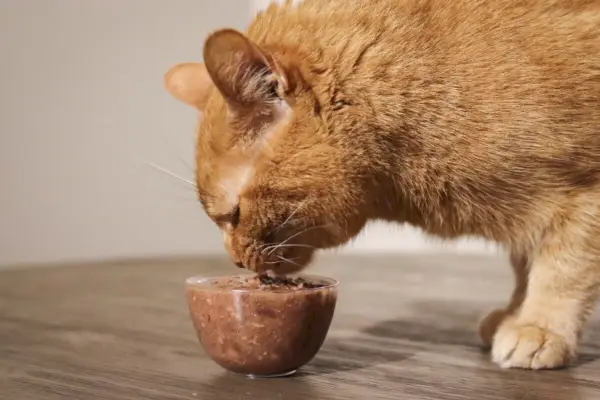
(461, 118)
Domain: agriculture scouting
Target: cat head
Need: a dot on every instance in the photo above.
(275, 177)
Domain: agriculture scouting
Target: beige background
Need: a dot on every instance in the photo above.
(82, 108)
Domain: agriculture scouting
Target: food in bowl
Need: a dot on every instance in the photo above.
(262, 326)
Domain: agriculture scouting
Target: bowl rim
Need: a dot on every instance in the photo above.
(199, 282)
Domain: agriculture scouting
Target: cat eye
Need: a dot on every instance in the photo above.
(229, 220)
(235, 216)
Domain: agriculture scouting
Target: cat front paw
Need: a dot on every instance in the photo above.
(489, 325)
(530, 347)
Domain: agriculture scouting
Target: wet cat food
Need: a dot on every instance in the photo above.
(262, 325)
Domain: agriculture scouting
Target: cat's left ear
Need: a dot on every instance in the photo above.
(246, 75)
(189, 83)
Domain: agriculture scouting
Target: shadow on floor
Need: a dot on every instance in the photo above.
(228, 386)
(452, 323)
(428, 323)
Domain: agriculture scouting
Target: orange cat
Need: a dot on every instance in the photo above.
(463, 117)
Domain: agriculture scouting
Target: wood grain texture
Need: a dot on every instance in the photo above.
(405, 328)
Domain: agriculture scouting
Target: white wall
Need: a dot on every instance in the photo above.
(82, 103)
(82, 106)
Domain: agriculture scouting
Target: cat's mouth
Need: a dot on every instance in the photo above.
(281, 254)
(280, 259)
(290, 262)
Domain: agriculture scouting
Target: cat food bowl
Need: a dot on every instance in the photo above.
(261, 326)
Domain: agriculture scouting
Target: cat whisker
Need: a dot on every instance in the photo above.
(171, 174)
(175, 154)
(308, 246)
(265, 245)
(291, 215)
(290, 223)
(295, 235)
(272, 231)
(289, 261)
(188, 182)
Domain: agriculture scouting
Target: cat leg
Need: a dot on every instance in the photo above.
(561, 292)
(489, 325)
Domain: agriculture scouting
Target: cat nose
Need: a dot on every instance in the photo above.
(239, 264)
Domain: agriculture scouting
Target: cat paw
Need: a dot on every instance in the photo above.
(489, 325)
(530, 347)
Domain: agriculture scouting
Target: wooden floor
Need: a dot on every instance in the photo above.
(404, 329)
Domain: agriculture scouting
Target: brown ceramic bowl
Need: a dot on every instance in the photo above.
(261, 331)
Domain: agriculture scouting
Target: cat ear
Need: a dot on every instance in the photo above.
(189, 83)
(245, 75)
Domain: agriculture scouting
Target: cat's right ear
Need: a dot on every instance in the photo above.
(246, 75)
(189, 83)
